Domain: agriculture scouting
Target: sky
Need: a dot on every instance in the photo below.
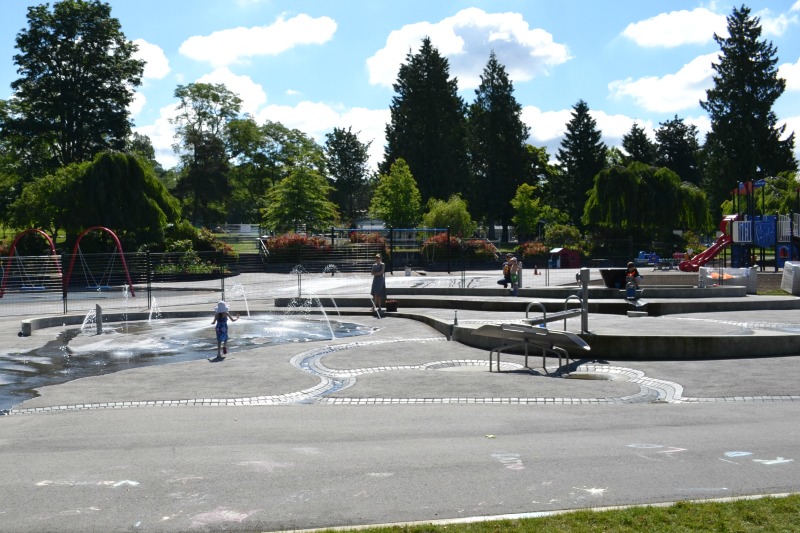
(316, 65)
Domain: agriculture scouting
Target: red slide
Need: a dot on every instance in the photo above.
(694, 264)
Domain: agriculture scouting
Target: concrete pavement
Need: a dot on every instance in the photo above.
(404, 425)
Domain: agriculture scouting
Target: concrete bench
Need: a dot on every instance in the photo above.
(517, 336)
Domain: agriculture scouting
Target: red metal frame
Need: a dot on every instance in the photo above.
(14, 248)
(75, 251)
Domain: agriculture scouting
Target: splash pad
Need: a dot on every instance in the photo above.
(140, 341)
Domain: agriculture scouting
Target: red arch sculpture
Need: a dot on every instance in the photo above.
(75, 251)
(14, 248)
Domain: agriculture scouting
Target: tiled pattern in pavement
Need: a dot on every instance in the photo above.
(651, 389)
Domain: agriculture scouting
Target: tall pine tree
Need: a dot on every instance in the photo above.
(581, 156)
(348, 165)
(677, 149)
(745, 142)
(638, 146)
(428, 126)
(497, 142)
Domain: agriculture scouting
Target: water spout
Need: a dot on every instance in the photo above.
(154, 310)
(239, 288)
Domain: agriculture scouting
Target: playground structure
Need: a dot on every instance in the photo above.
(30, 273)
(30, 281)
(743, 235)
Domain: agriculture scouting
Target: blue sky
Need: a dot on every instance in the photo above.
(315, 65)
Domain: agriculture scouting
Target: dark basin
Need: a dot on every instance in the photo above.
(613, 278)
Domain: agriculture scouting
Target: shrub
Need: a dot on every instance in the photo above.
(480, 249)
(466, 248)
(532, 249)
(367, 237)
(296, 241)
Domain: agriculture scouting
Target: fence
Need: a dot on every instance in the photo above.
(38, 285)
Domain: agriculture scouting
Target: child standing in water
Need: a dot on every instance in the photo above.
(221, 316)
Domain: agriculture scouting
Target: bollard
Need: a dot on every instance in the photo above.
(98, 318)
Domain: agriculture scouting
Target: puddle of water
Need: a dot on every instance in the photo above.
(73, 355)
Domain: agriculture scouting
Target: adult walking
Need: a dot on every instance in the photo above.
(378, 290)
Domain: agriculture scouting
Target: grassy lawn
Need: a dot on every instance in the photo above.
(742, 516)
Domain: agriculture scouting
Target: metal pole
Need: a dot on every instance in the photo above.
(585, 300)
(148, 266)
(448, 250)
(391, 249)
(222, 276)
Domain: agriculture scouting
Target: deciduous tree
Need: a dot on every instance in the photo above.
(397, 200)
(300, 202)
(452, 214)
(204, 111)
(77, 78)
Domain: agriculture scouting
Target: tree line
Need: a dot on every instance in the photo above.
(69, 158)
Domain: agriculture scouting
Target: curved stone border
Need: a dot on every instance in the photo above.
(651, 389)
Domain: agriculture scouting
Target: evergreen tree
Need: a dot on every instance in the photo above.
(638, 146)
(428, 127)
(78, 76)
(348, 164)
(745, 142)
(677, 149)
(581, 156)
(498, 146)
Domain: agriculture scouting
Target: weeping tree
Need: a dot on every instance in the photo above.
(646, 199)
(116, 190)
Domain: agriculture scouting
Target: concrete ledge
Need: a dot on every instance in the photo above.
(662, 347)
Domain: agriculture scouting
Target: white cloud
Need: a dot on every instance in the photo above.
(315, 119)
(795, 6)
(614, 127)
(776, 26)
(792, 125)
(162, 135)
(672, 92)
(137, 104)
(676, 28)
(235, 45)
(156, 63)
(791, 73)
(251, 93)
(546, 126)
(466, 39)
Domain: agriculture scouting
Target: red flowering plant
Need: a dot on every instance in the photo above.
(367, 237)
(531, 249)
(462, 248)
(439, 244)
(479, 249)
(296, 241)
